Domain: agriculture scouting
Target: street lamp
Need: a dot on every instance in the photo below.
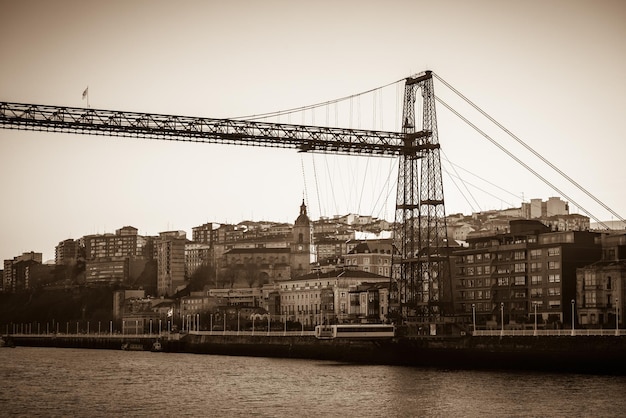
(211, 331)
(616, 316)
(474, 317)
(502, 318)
(573, 302)
(535, 304)
(238, 316)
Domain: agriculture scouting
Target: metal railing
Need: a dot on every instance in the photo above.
(549, 333)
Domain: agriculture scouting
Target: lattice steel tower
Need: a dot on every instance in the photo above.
(420, 285)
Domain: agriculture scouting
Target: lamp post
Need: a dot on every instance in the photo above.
(252, 324)
(285, 329)
(238, 316)
(573, 302)
(616, 316)
(211, 330)
(535, 332)
(474, 317)
(268, 324)
(501, 318)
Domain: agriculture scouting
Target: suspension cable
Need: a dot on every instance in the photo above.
(459, 177)
(313, 106)
(529, 148)
(523, 164)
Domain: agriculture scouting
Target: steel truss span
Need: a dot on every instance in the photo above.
(76, 120)
(420, 284)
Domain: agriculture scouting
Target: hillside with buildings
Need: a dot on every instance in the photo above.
(511, 266)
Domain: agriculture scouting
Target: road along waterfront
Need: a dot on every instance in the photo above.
(81, 382)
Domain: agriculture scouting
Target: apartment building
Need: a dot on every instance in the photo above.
(66, 252)
(170, 255)
(601, 286)
(370, 255)
(115, 258)
(507, 277)
(316, 298)
(18, 273)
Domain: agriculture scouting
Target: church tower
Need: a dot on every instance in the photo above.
(300, 256)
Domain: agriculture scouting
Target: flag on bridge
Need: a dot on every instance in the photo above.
(85, 92)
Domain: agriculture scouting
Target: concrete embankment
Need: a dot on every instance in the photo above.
(603, 355)
(600, 355)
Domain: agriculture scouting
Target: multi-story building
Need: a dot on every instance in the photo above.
(369, 302)
(329, 248)
(197, 255)
(316, 298)
(66, 252)
(205, 234)
(116, 258)
(510, 276)
(18, 272)
(371, 255)
(170, 249)
(601, 286)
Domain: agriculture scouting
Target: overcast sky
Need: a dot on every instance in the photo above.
(552, 72)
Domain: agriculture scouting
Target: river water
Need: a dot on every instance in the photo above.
(86, 383)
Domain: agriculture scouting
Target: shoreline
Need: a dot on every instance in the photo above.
(592, 354)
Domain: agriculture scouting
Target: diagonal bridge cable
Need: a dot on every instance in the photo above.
(529, 148)
(520, 162)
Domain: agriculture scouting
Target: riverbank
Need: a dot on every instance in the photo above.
(581, 354)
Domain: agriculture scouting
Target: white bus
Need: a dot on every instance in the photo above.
(327, 332)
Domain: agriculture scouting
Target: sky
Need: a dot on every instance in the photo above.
(551, 72)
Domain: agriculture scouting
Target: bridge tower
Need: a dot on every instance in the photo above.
(420, 293)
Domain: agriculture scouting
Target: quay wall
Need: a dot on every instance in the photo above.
(580, 354)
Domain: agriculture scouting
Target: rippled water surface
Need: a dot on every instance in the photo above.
(75, 382)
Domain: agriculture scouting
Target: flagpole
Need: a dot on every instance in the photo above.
(86, 95)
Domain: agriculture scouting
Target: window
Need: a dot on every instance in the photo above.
(554, 278)
(554, 291)
(535, 254)
(608, 283)
(590, 299)
(590, 278)
(536, 293)
(535, 267)
(554, 265)
(520, 267)
(535, 279)
(519, 255)
(554, 251)
(470, 271)
(469, 258)
(520, 280)
(503, 281)
(479, 270)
